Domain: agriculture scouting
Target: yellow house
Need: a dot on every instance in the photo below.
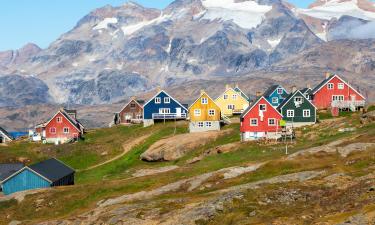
(232, 101)
(205, 114)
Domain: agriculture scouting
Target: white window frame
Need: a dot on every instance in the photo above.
(300, 98)
(197, 112)
(330, 86)
(231, 107)
(280, 91)
(52, 128)
(305, 114)
(59, 119)
(208, 124)
(269, 124)
(290, 113)
(265, 107)
(204, 101)
(67, 130)
(164, 111)
(275, 100)
(167, 100)
(200, 124)
(251, 122)
(211, 112)
(340, 86)
(225, 96)
(234, 97)
(158, 100)
(338, 98)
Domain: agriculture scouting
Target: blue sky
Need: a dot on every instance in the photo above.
(43, 21)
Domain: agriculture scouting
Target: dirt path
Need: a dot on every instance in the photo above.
(127, 146)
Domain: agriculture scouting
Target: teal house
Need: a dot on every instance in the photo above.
(45, 174)
(275, 95)
(297, 110)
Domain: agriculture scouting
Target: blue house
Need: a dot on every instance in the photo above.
(163, 107)
(275, 95)
(45, 174)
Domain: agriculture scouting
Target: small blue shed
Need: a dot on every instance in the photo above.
(275, 95)
(45, 174)
(163, 107)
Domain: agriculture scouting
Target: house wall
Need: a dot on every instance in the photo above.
(280, 97)
(60, 135)
(323, 98)
(133, 113)
(239, 103)
(298, 112)
(26, 180)
(204, 116)
(193, 126)
(263, 126)
(152, 107)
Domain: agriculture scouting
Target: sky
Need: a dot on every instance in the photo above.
(43, 21)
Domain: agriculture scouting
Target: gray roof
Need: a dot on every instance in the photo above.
(8, 169)
(2, 130)
(52, 169)
(272, 89)
(238, 90)
(322, 84)
(250, 106)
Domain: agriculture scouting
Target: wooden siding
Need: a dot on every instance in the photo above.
(280, 97)
(204, 108)
(240, 103)
(59, 126)
(151, 107)
(131, 113)
(322, 99)
(26, 180)
(298, 111)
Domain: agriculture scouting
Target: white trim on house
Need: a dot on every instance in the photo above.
(256, 103)
(342, 81)
(21, 170)
(228, 95)
(129, 103)
(279, 86)
(77, 128)
(162, 91)
(242, 92)
(201, 97)
(292, 97)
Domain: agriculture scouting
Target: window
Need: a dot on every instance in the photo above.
(157, 100)
(306, 113)
(290, 113)
(197, 112)
(225, 96)
(298, 100)
(271, 122)
(254, 122)
(262, 107)
(208, 124)
(337, 97)
(164, 111)
(211, 112)
(59, 119)
(200, 124)
(340, 86)
(167, 100)
(279, 91)
(275, 100)
(132, 105)
(52, 130)
(204, 101)
(330, 86)
(234, 97)
(231, 107)
(66, 130)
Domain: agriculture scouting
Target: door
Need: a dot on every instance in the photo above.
(178, 112)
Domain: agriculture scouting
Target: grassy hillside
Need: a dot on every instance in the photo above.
(115, 178)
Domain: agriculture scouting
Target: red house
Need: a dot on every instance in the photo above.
(260, 120)
(61, 128)
(334, 92)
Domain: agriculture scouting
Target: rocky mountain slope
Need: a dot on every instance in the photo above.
(116, 52)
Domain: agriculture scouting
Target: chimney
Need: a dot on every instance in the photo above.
(133, 98)
(308, 86)
(158, 88)
(202, 92)
(294, 88)
(227, 86)
(258, 94)
(328, 74)
(236, 85)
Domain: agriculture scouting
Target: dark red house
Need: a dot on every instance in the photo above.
(61, 128)
(260, 120)
(334, 92)
(131, 113)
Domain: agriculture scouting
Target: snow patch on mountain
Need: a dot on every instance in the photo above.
(246, 14)
(336, 9)
(104, 24)
(274, 42)
(130, 29)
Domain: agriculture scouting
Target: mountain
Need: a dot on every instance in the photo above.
(116, 52)
(340, 19)
(19, 56)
